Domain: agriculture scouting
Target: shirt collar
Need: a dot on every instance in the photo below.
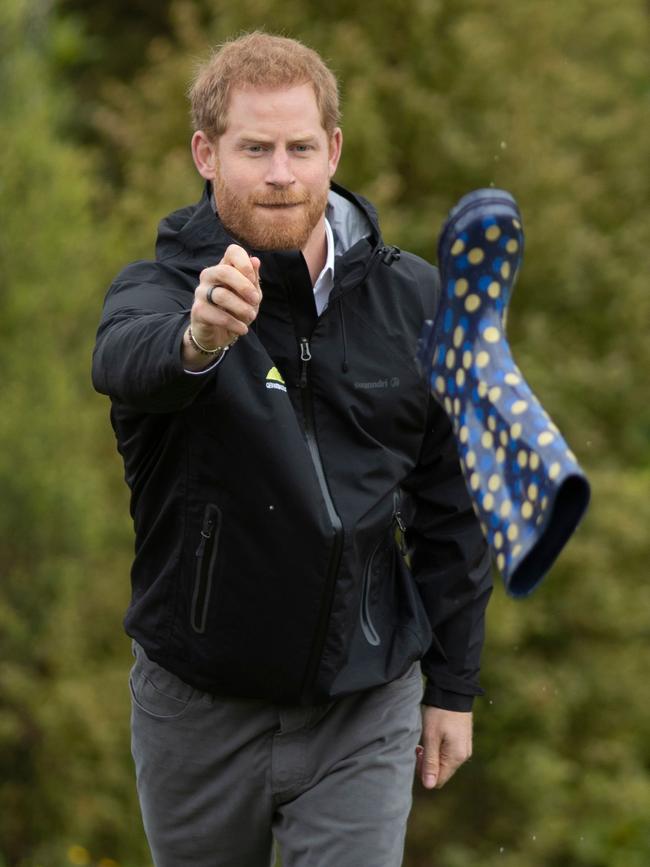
(328, 268)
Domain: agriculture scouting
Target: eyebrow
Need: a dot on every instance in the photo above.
(249, 139)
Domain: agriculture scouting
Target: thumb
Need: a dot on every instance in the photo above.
(430, 763)
(256, 263)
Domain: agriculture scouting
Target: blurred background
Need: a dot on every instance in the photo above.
(549, 100)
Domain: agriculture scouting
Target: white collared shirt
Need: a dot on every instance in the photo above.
(322, 288)
(325, 280)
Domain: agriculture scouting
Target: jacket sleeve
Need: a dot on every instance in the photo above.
(137, 358)
(451, 565)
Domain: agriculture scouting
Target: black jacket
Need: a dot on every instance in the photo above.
(267, 494)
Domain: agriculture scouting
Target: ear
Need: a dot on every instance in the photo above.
(335, 145)
(204, 153)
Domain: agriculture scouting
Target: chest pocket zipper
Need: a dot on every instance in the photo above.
(206, 557)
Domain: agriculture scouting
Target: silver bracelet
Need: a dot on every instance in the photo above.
(217, 349)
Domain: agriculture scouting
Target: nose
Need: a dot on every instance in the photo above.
(279, 172)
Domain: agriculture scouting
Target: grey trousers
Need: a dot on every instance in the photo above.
(219, 779)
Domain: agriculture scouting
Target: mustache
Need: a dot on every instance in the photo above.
(281, 198)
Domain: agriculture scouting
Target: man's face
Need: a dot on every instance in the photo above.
(272, 167)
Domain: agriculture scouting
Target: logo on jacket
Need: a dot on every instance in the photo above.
(393, 382)
(274, 379)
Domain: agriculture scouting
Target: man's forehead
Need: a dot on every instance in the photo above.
(294, 105)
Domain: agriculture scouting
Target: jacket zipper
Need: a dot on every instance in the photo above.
(206, 555)
(367, 626)
(335, 521)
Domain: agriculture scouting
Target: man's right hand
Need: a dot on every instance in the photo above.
(235, 304)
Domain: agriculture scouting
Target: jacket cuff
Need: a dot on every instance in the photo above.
(435, 696)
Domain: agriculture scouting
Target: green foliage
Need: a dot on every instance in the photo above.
(547, 100)
(64, 537)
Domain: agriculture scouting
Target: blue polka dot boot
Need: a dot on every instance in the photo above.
(526, 486)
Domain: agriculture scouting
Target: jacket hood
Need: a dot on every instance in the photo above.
(196, 234)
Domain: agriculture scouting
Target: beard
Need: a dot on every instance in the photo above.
(270, 228)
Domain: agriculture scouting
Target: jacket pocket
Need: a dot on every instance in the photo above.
(380, 566)
(206, 559)
(367, 626)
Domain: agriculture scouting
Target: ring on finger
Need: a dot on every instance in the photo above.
(208, 295)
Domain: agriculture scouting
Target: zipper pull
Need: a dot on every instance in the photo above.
(206, 533)
(305, 358)
(400, 534)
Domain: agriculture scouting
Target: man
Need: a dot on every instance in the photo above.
(278, 439)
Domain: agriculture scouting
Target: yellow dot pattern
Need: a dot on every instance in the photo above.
(510, 451)
(494, 289)
(494, 393)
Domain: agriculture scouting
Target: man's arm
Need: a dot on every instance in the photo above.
(143, 355)
(451, 565)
